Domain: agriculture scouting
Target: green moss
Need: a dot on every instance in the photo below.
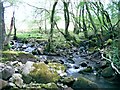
(67, 81)
(84, 83)
(57, 66)
(108, 42)
(16, 55)
(9, 55)
(40, 86)
(50, 86)
(42, 74)
(88, 69)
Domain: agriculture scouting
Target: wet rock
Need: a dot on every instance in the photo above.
(76, 67)
(88, 69)
(83, 64)
(7, 72)
(108, 72)
(29, 49)
(17, 79)
(24, 46)
(84, 83)
(67, 81)
(70, 60)
(103, 64)
(3, 84)
(40, 50)
(35, 52)
(46, 62)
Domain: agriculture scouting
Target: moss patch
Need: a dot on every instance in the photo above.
(57, 66)
(42, 74)
(85, 84)
(17, 55)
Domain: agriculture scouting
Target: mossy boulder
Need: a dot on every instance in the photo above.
(88, 69)
(42, 73)
(17, 55)
(67, 81)
(108, 72)
(57, 66)
(84, 83)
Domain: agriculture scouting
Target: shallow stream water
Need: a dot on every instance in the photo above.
(73, 67)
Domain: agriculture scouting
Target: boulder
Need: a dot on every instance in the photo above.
(83, 64)
(67, 81)
(27, 67)
(42, 73)
(17, 79)
(18, 55)
(84, 84)
(3, 84)
(108, 72)
(7, 72)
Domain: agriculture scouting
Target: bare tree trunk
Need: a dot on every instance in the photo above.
(2, 25)
(6, 42)
(15, 30)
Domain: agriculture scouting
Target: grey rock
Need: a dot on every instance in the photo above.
(17, 79)
(27, 68)
(7, 72)
(3, 83)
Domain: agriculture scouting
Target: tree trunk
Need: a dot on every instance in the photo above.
(2, 26)
(67, 19)
(84, 25)
(15, 30)
(52, 26)
(91, 20)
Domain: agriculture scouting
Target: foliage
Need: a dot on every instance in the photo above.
(113, 54)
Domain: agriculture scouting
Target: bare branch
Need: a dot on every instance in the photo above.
(113, 66)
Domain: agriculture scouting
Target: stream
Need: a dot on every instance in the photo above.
(73, 62)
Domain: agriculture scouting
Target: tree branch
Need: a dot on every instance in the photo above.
(113, 66)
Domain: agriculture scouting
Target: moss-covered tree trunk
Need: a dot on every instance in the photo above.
(67, 19)
(90, 17)
(52, 26)
(119, 27)
(84, 25)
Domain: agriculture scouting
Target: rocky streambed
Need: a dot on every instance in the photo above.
(27, 66)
